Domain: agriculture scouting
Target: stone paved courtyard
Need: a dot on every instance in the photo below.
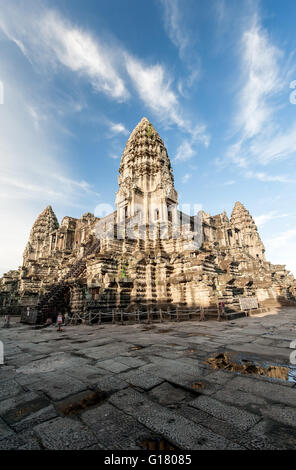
(141, 386)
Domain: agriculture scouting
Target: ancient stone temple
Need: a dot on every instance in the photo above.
(147, 254)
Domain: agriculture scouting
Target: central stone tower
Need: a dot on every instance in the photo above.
(146, 182)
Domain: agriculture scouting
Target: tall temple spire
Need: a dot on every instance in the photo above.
(145, 173)
(242, 220)
(45, 223)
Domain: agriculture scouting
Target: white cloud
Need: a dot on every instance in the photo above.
(186, 178)
(229, 183)
(188, 148)
(154, 88)
(185, 151)
(118, 128)
(51, 41)
(267, 178)
(276, 146)
(177, 30)
(282, 238)
(173, 25)
(261, 69)
(260, 139)
(262, 219)
(47, 38)
(234, 153)
(32, 172)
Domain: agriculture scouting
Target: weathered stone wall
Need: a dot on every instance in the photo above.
(151, 267)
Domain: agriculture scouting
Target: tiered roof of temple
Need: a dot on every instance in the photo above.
(150, 253)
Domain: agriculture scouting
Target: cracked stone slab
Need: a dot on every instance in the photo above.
(166, 394)
(52, 363)
(131, 362)
(114, 429)
(240, 398)
(238, 417)
(106, 351)
(111, 383)
(13, 402)
(266, 389)
(58, 386)
(219, 377)
(267, 351)
(6, 373)
(24, 409)
(88, 373)
(182, 432)
(282, 437)
(44, 414)
(284, 414)
(166, 423)
(5, 431)
(244, 439)
(23, 441)
(179, 377)
(130, 401)
(9, 388)
(113, 366)
(141, 379)
(64, 434)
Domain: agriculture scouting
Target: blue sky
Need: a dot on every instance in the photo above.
(213, 77)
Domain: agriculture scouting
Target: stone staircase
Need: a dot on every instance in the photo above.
(49, 304)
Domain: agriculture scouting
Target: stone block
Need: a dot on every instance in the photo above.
(238, 417)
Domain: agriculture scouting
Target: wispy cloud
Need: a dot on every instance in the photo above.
(188, 147)
(275, 145)
(32, 171)
(185, 151)
(229, 183)
(267, 178)
(186, 178)
(46, 37)
(258, 138)
(179, 34)
(53, 42)
(261, 69)
(262, 219)
(118, 128)
(282, 238)
(154, 88)
(173, 25)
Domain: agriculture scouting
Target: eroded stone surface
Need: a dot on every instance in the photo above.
(90, 267)
(168, 393)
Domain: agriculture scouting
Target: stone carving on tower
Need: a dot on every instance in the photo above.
(38, 241)
(162, 258)
(249, 236)
(146, 182)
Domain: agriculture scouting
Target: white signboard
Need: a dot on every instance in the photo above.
(248, 303)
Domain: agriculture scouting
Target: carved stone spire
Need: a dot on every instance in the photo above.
(250, 239)
(45, 223)
(145, 172)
